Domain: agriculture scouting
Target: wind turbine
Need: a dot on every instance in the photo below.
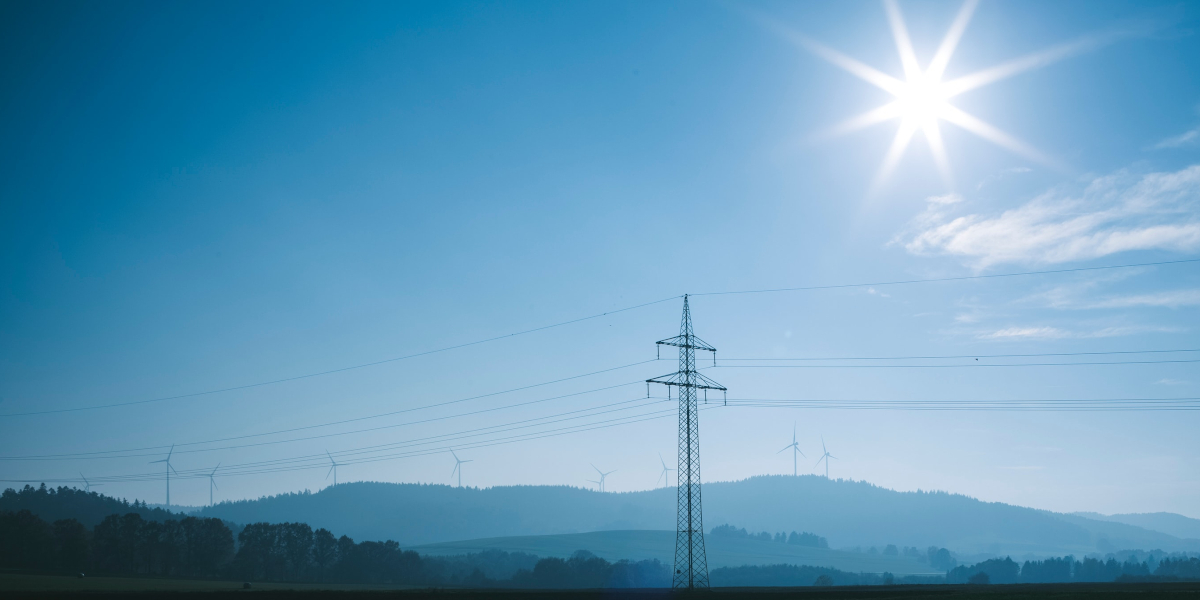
(212, 483)
(87, 486)
(595, 482)
(824, 457)
(665, 471)
(603, 475)
(795, 448)
(169, 469)
(332, 469)
(458, 463)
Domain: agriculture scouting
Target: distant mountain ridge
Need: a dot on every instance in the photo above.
(849, 513)
(1163, 522)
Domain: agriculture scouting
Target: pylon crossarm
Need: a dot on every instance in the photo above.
(680, 341)
(681, 380)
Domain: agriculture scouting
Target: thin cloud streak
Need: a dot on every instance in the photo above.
(1113, 214)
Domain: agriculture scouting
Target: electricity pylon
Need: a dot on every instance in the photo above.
(691, 564)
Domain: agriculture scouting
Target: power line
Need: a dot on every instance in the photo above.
(93, 455)
(192, 474)
(945, 279)
(1061, 405)
(332, 371)
(375, 416)
(965, 365)
(954, 356)
(570, 322)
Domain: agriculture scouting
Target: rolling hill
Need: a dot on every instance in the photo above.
(1168, 523)
(848, 513)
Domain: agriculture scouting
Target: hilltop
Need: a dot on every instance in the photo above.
(849, 513)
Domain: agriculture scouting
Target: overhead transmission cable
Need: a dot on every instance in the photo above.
(581, 319)
(375, 416)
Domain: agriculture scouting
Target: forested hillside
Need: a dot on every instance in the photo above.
(89, 508)
(848, 513)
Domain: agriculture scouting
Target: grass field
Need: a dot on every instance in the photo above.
(16, 587)
(648, 544)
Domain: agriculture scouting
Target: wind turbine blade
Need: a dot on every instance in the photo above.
(452, 453)
(329, 473)
(171, 451)
(466, 461)
(938, 66)
(903, 44)
(157, 461)
(172, 469)
(823, 449)
(214, 471)
(800, 451)
(819, 462)
(214, 484)
(455, 470)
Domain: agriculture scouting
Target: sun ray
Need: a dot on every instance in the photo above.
(908, 58)
(887, 112)
(938, 66)
(933, 134)
(903, 136)
(922, 99)
(872, 76)
(1025, 63)
(994, 135)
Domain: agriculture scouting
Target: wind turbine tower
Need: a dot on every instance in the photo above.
(458, 463)
(332, 468)
(691, 564)
(795, 449)
(825, 457)
(87, 485)
(212, 483)
(169, 469)
(603, 476)
(665, 472)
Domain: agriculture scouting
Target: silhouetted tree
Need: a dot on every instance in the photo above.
(71, 545)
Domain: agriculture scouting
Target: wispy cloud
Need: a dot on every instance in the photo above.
(1171, 299)
(1054, 333)
(1003, 173)
(1187, 138)
(1171, 382)
(1009, 333)
(1114, 213)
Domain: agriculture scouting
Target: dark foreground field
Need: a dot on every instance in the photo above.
(13, 587)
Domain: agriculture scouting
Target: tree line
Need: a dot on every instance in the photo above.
(811, 540)
(1068, 569)
(130, 545)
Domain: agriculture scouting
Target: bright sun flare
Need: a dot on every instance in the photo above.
(922, 99)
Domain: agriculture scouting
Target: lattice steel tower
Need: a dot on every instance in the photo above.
(691, 565)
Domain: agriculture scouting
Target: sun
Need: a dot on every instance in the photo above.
(923, 99)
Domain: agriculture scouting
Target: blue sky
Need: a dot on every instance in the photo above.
(201, 196)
